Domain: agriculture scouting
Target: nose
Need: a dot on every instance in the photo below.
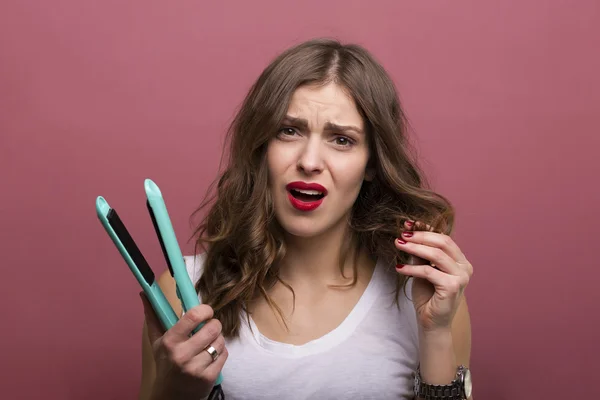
(310, 159)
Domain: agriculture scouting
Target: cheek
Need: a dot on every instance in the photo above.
(350, 174)
(273, 160)
(280, 159)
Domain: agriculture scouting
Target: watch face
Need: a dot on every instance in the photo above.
(468, 384)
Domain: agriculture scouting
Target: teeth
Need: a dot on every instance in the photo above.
(311, 192)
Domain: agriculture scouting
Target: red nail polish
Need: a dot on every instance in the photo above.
(399, 266)
(409, 223)
(407, 234)
(400, 241)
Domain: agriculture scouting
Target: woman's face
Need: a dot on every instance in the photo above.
(317, 161)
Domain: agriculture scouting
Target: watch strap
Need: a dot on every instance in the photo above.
(451, 391)
(439, 392)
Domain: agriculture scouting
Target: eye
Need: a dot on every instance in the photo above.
(287, 131)
(343, 141)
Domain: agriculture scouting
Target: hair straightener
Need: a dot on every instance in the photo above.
(139, 266)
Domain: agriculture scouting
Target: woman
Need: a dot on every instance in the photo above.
(306, 253)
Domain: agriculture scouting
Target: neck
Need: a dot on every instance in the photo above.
(317, 258)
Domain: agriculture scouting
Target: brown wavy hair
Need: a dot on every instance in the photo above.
(240, 236)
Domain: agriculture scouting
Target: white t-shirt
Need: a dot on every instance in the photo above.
(370, 355)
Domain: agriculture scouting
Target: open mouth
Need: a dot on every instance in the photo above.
(306, 196)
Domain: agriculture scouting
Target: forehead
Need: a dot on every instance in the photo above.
(324, 103)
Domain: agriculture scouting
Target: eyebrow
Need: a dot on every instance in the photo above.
(329, 126)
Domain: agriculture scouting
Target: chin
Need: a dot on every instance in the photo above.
(300, 227)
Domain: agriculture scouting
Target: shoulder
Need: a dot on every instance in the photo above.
(194, 265)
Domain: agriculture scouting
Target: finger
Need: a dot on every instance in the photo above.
(433, 254)
(154, 326)
(438, 278)
(212, 371)
(431, 239)
(208, 334)
(189, 321)
(203, 360)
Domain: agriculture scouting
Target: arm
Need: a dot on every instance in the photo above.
(441, 352)
(167, 285)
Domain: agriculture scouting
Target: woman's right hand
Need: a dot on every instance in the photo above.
(184, 369)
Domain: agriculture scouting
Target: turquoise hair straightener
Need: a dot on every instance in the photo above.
(139, 266)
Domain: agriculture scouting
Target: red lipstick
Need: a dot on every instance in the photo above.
(305, 196)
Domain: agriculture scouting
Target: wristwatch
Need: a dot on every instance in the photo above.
(459, 389)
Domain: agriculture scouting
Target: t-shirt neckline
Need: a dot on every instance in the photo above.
(330, 339)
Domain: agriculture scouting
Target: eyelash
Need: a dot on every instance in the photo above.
(350, 142)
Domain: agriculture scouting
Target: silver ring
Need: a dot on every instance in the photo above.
(213, 352)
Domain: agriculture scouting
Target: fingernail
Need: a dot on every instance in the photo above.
(407, 234)
(399, 266)
(409, 223)
(400, 241)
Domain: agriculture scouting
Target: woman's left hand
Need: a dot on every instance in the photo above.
(437, 288)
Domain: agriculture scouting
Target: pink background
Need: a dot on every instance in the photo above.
(97, 96)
